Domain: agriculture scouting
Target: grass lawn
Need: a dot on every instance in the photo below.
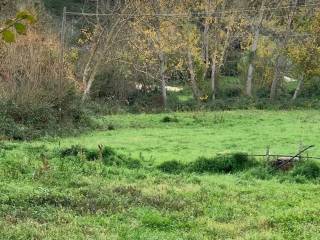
(71, 198)
(205, 134)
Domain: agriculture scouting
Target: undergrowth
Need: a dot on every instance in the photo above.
(242, 163)
(106, 154)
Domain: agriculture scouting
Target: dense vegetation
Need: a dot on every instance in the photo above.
(146, 56)
(143, 119)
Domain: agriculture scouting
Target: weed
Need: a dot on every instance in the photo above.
(172, 167)
(153, 219)
(111, 127)
(222, 164)
(308, 169)
(259, 173)
(168, 119)
(106, 154)
(91, 155)
(72, 151)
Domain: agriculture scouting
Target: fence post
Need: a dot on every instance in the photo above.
(268, 154)
(300, 148)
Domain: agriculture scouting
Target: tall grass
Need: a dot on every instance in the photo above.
(36, 90)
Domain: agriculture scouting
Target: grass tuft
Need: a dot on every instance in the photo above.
(168, 119)
(308, 169)
(107, 155)
(172, 167)
(223, 164)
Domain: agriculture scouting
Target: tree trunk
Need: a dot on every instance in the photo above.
(88, 68)
(205, 48)
(162, 69)
(216, 65)
(163, 79)
(213, 78)
(298, 89)
(195, 90)
(88, 86)
(254, 50)
(276, 78)
(251, 67)
(205, 44)
(249, 80)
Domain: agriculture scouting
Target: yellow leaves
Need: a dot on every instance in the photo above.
(73, 55)
(204, 98)
(86, 36)
(266, 48)
(306, 57)
(180, 64)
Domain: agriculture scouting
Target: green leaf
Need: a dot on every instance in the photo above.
(20, 28)
(27, 16)
(8, 36)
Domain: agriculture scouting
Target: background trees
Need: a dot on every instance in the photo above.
(151, 55)
(211, 48)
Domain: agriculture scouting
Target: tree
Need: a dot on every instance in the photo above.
(254, 48)
(225, 29)
(280, 58)
(154, 41)
(305, 53)
(102, 40)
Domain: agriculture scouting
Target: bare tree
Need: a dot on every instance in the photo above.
(104, 38)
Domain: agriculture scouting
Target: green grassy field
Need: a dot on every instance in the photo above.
(205, 134)
(46, 196)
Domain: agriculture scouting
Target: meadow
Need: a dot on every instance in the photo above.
(65, 188)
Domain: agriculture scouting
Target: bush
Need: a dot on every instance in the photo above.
(172, 167)
(27, 122)
(35, 99)
(111, 127)
(232, 91)
(308, 169)
(109, 156)
(168, 119)
(73, 151)
(223, 164)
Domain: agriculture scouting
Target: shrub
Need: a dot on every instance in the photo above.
(35, 99)
(223, 163)
(108, 152)
(73, 151)
(109, 156)
(232, 91)
(91, 155)
(172, 167)
(308, 169)
(168, 119)
(203, 164)
(111, 127)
